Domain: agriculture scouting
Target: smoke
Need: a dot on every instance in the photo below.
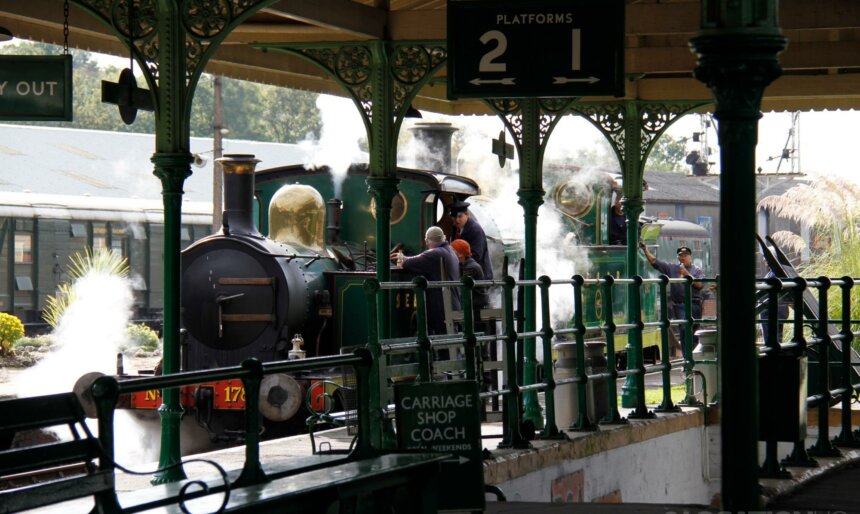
(89, 335)
(339, 143)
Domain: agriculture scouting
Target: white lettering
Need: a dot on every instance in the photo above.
(3, 86)
(534, 19)
(23, 91)
(51, 85)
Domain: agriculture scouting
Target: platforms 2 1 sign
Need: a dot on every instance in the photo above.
(546, 48)
(443, 417)
(36, 87)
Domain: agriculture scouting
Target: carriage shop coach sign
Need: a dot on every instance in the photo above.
(36, 87)
(444, 417)
(542, 48)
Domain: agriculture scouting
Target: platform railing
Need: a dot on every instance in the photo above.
(513, 388)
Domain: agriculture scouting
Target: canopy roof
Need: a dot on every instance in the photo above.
(821, 62)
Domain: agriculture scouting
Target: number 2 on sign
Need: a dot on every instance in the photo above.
(489, 64)
(233, 394)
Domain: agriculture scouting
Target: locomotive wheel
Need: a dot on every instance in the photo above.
(280, 397)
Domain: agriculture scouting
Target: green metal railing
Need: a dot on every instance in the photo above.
(426, 368)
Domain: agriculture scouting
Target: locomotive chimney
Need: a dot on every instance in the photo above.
(437, 138)
(239, 194)
(332, 214)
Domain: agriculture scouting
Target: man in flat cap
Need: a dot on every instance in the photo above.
(466, 228)
(428, 264)
(683, 268)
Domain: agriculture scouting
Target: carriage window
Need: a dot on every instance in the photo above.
(23, 283)
(99, 237)
(185, 234)
(23, 248)
(79, 230)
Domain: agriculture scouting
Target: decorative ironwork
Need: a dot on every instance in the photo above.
(206, 18)
(655, 118)
(135, 20)
(609, 119)
(410, 65)
(551, 109)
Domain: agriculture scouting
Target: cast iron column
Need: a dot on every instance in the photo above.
(531, 197)
(737, 48)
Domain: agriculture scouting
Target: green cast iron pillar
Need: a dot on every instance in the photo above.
(737, 48)
(531, 121)
(382, 78)
(632, 128)
(172, 41)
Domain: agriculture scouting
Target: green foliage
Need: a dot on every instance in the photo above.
(252, 111)
(830, 207)
(141, 336)
(668, 155)
(41, 341)
(103, 260)
(11, 329)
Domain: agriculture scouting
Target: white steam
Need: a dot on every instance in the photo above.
(338, 146)
(88, 338)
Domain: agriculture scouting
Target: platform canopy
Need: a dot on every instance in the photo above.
(822, 62)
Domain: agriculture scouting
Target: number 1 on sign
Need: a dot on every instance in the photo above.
(576, 49)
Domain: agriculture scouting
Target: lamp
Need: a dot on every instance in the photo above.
(5, 35)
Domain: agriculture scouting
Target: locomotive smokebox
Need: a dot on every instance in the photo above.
(239, 194)
(437, 138)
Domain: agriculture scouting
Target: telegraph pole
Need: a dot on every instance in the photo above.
(217, 151)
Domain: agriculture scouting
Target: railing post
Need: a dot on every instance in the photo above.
(105, 394)
(550, 429)
(799, 457)
(466, 290)
(771, 467)
(582, 423)
(612, 416)
(511, 435)
(665, 327)
(425, 353)
(822, 446)
(252, 472)
(687, 342)
(641, 411)
(376, 380)
(363, 372)
(846, 437)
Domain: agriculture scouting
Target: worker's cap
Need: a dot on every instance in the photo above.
(684, 250)
(434, 235)
(462, 247)
(458, 207)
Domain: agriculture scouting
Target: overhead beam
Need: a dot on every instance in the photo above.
(339, 15)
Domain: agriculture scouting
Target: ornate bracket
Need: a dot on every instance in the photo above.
(203, 25)
(511, 112)
(654, 118)
(411, 65)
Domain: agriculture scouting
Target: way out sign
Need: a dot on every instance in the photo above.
(541, 48)
(36, 87)
(443, 417)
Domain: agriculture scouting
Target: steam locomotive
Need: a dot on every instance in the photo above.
(284, 278)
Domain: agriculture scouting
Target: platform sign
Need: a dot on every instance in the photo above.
(36, 87)
(544, 48)
(444, 417)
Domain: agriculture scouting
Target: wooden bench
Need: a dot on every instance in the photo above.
(54, 412)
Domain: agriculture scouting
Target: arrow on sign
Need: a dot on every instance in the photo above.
(459, 460)
(504, 82)
(565, 80)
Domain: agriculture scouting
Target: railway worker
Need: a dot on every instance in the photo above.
(617, 221)
(469, 267)
(429, 264)
(684, 268)
(466, 228)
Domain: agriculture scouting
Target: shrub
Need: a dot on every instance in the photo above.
(11, 329)
(45, 341)
(141, 336)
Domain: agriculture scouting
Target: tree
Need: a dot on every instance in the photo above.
(668, 154)
(254, 112)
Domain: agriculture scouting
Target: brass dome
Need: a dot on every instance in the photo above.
(297, 215)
